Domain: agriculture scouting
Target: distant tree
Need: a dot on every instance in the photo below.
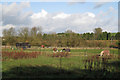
(91, 36)
(67, 39)
(36, 36)
(4, 32)
(34, 32)
(87, 36)
(117, 36)
(9, 36)
(24, 34)
(97, 32)
(5, 37)
(108, 36)
(104, 35)
(69, 31)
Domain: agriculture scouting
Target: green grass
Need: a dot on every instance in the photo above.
(54, 67)
(114, 51)
(41, 60)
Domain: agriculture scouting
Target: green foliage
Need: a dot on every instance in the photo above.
(68, 39)
(97, 32)
(117, 36)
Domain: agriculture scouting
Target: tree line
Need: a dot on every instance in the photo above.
(36, 37)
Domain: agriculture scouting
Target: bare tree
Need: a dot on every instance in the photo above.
(9, 35)
(24, 33)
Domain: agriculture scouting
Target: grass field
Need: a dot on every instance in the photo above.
(72, 66)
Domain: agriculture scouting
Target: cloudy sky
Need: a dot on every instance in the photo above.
(60, 16)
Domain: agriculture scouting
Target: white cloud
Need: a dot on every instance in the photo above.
(58, 22)
(91, 14)
(41, 14)
(82, 19)
(7, 26)
(80, 22)
(61, 16)
(14, 13)
(108, 20)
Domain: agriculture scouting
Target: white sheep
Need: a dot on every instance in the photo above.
(105, 52)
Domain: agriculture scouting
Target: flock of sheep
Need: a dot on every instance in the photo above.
(103, 53)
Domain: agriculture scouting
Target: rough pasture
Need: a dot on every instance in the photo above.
(81, 63)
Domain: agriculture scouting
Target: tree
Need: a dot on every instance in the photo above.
(69, 31)
(36, 36)
(117, 36)
(24, 34)
(9, 36)
(97, 32)
(34, 32)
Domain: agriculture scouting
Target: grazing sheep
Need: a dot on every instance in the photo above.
(67, 50)
(105, 53)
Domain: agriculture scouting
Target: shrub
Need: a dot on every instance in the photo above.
(19, 55)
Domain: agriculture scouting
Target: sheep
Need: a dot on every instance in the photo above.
(105, 52)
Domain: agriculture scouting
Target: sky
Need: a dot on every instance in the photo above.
(60, 16)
